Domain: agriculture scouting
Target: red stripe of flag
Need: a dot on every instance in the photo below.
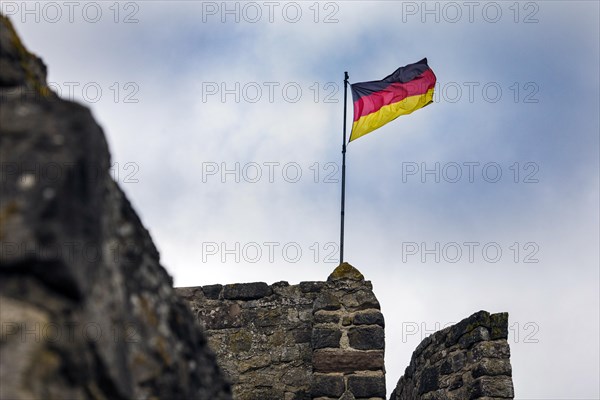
(394, 93)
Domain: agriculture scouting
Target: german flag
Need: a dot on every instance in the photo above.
(378, 102)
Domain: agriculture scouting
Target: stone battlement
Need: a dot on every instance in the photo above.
(325, 341)
(312, 340)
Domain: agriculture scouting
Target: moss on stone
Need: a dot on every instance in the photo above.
(25, 60)
(239, 341)
(346, 271)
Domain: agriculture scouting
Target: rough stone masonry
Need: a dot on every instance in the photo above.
(88, 312)
(325, 341)
(319, 340)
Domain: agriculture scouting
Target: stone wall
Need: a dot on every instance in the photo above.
(469, 360)
(325, 341)
(315, 340)
(86, 309)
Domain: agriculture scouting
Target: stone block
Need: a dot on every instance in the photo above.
(366, 386)
(327, 385)
(478, 334)
(299, 395)
(456, 383)
(261, 393)
(190, 293)
(212, 291)
(326, 318)
(326, 301)
(263, 317)
(345, 271)
(366, 338)
(429, 380)
(498, 386)
(311, 287)
(239, 341)
(492, 367)
(326, 337)
(221, 317)
(489, 349)
(296, 377)
(253, 363)
(361, 300)
(369, 318)
(453, 363)
(422, 346)
(481, 318)
(499, 326)
(302, 335)
(246, 291)
(347, 361)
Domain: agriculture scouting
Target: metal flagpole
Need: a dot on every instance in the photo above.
(343, 171)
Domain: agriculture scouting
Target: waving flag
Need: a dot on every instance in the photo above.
(378, 102)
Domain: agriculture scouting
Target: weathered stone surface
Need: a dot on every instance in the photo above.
(302, 335)
(366, 338)
(246, 291)
(92, 312)
(361, 300)
(325, 318)
(311, 287)
(463, 361)
(369, 318)
(262, 316)
(453, 363)
(221, 317)
(500, 386)
(212, 291)
(328, 385)
(264, 344)
(326, 337)
(366, 386)
(476, 335)
(293, 340)
(499, 326)
(341, 329)
(492, 367)
(346, 271)
(327, 301)
(347, 361)
(429, 380)
(455, 382)
(191, 293)
(491, 349)
(481, 318)
(23, 73)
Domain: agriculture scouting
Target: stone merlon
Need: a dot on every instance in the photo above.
(325, 340)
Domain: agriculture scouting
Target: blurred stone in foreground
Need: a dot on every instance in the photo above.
(86, 309)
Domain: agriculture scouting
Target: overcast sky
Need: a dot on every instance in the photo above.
(225, 125)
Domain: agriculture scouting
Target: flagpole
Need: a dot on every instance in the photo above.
(343, 172)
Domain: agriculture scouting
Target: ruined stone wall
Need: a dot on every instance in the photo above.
(315, 340)
(469, 360)
(325, 340)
